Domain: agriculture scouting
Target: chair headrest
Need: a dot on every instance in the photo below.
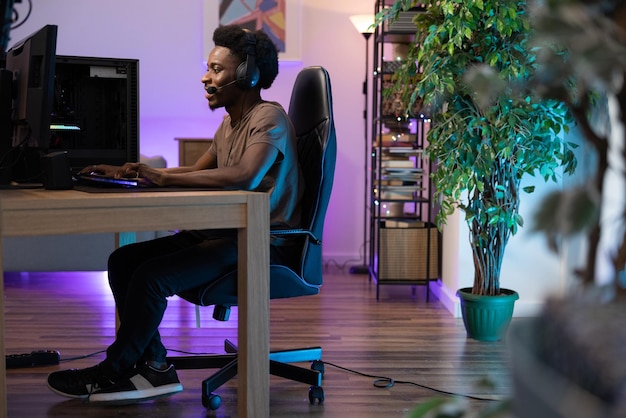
(310, 99)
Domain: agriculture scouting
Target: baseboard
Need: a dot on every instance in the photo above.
(525, 309)
(448, 299)
(343, 261)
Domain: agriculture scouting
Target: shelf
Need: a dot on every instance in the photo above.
(401, 170)
(383, 3)
(409, 254)
(390, 67)
(402, 149)
(400, 180)
(395, 152)
(403, 24)
(403, 223)
(400, 190)
(396, 38)
(407, 200)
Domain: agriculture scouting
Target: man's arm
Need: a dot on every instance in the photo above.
(206, 160)
(246, 175)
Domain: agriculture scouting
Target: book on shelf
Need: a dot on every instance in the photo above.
(396, 139)
(399, 163)
(406, 223)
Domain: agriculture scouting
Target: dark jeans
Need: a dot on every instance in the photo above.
(143, 275)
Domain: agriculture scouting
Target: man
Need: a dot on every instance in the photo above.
(253, 149)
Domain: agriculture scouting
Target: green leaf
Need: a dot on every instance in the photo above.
(438, 408)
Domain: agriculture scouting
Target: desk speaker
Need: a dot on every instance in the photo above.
(55, 169)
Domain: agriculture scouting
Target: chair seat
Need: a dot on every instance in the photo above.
(284, 283)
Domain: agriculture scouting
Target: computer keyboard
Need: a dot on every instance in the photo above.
(99, 180)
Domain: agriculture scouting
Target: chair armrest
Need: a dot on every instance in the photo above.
(295, 232)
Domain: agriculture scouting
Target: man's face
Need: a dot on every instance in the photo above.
(221, 70)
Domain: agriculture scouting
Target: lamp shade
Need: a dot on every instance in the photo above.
(363, 23)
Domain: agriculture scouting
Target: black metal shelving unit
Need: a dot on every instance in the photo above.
(405, 245)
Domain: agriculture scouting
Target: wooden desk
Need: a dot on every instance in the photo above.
(43, 212)
(190, 149)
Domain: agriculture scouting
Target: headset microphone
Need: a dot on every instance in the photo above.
(213, 89)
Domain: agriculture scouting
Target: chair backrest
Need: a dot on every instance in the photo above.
(311, 112)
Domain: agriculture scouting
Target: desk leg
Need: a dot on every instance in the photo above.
(253, 290)
(3, 371)
(123, 238)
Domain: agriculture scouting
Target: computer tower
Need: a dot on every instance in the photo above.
(95, 112)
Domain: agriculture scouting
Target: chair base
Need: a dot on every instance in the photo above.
(279, 366)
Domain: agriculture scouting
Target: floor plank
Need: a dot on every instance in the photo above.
(400, 336)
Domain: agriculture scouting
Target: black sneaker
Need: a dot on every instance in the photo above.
(144, 383)
(78, 383)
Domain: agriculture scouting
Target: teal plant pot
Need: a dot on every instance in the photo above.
(487, 318)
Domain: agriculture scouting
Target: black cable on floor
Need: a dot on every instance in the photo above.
(382, 382)
(82, 357)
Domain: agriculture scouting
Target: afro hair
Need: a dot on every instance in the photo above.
(233, 37)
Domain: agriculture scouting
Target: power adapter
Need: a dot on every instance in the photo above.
(34, 358)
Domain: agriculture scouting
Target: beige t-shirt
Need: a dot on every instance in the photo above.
(266, 122)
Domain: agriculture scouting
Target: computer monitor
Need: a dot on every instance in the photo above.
(32, 62)
(6, 81)
(26, 89)
(6, 18)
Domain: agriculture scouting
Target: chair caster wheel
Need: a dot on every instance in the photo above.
(316, 392)
(319, 366)
(212, 401)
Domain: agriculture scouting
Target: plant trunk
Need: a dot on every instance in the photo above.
(494, 210)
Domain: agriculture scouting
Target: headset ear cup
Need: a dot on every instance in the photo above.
(247, 73)
(247, 76)
(254, 77)
(240, 75)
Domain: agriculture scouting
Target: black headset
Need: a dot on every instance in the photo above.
(247, 74)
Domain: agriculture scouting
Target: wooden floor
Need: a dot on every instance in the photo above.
(401, 336)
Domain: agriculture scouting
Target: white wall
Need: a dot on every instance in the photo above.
(167, 38)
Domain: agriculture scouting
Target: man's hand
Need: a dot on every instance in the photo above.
(101, 169)
(128, 170)
(150, 175)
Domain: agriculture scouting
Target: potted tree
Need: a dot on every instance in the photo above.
(482, 144)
